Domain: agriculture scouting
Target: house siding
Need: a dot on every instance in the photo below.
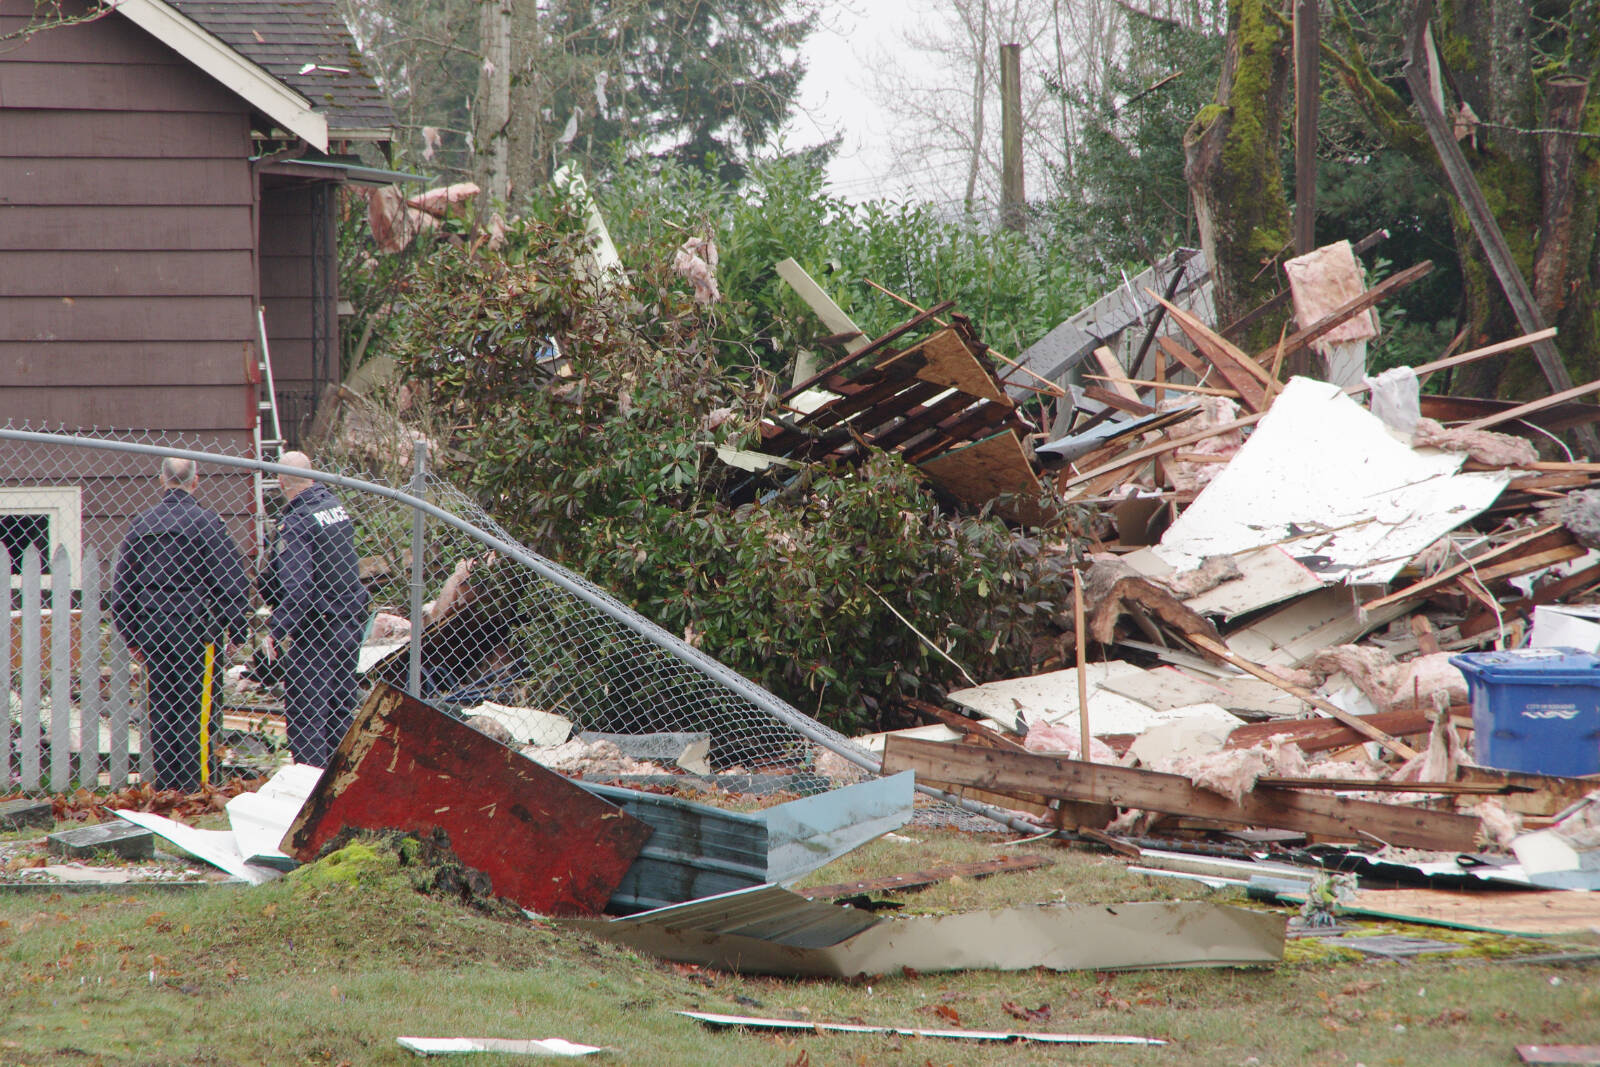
(127, 262)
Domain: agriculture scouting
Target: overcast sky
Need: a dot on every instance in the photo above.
(835, 96)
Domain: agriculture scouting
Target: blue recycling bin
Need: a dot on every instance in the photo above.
(1535, 709)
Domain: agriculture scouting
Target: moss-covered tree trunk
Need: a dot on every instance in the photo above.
(1232, 163)
(1516, 84)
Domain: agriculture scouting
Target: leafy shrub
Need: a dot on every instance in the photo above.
(591, 417)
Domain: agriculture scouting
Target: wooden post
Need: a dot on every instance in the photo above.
(1080, 624)
(1012, 199)
(1307, 86)
(1419, 77)
(89, 671)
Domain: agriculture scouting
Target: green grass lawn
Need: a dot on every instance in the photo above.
(323, 969)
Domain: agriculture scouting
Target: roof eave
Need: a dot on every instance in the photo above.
(236, 73)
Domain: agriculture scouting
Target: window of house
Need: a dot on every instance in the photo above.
(43, 517)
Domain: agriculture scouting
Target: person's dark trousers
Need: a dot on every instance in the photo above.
(319, 685)
(174, 662)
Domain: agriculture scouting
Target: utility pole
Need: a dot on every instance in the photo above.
(1013, 202)
(1307, 87)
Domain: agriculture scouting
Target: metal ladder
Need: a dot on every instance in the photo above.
(265, 406)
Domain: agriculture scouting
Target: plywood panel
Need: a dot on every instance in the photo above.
(31, 318)
(125, 134)
(112, 87)
(108, 273)
(980, 472)
(90, 227)
(207, 408)
(110, 363)
(950, 362)
(156, 182)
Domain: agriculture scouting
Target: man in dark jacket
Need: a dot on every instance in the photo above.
(319, 610)
(179, 585)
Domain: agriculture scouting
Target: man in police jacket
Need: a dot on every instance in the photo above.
(179, 585)
(319, 610)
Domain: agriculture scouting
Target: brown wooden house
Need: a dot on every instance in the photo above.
(169, 174)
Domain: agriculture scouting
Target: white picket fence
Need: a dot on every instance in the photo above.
(74, 712)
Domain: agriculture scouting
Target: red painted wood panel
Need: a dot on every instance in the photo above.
(288, 318)
(107, 40)
(106, 273)
(171, 229)
(285, 276)
(155, 182)
(36, 318)
(544, 843)
(125, 134)
(109, 363)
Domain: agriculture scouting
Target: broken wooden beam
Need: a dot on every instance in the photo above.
(1173, 794)
(1355, 722)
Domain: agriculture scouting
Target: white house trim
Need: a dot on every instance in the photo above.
(236, 73)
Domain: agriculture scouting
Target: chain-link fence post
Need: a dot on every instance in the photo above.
(419, 520)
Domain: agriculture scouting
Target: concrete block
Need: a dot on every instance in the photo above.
(19, 814)
(121, 838)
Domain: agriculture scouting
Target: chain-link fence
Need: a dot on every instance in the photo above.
(227, 614)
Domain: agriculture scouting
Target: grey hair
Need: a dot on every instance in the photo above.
(177, 472)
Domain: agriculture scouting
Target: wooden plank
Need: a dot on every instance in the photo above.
(124, 134)
(88, 227)
(821, 304)
(1115, 374)
(120, 318)
(1190, 362)
(1366, 785)
(138, 182)
(32, 737)
(166, 407)
(89, 660)
(1419, 72)
(114, 87)
(120, 696)
(8, 766)
(1343, 313)
(1535, 405)
(1117, 400)
(104, 273)
(877, 345)
(115, 363)
(975, 424)
(544, 842)
(1355, 722)
(1576, 582)
(1336, 817)
(1538, 540)
(1542, 795)
(1237, 369)
(60, 671)
(980, 472)
(1325, 735)
(899, 883)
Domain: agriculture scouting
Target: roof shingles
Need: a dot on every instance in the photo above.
(305, 45)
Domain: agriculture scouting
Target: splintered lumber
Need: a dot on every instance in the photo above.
(1344, 312)
(1559, 589)
(1539, 794)
(932, 876)
(1367, 785)
(1355, 722)
(1538, 543)
(1535, 405)
(1237, 369)
(1325, 735)
(1114, 373)
(1173, 794)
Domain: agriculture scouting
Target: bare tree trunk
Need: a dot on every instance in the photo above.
(1232, 165)
(980, 78)
(1558, 146)
(492, 113)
